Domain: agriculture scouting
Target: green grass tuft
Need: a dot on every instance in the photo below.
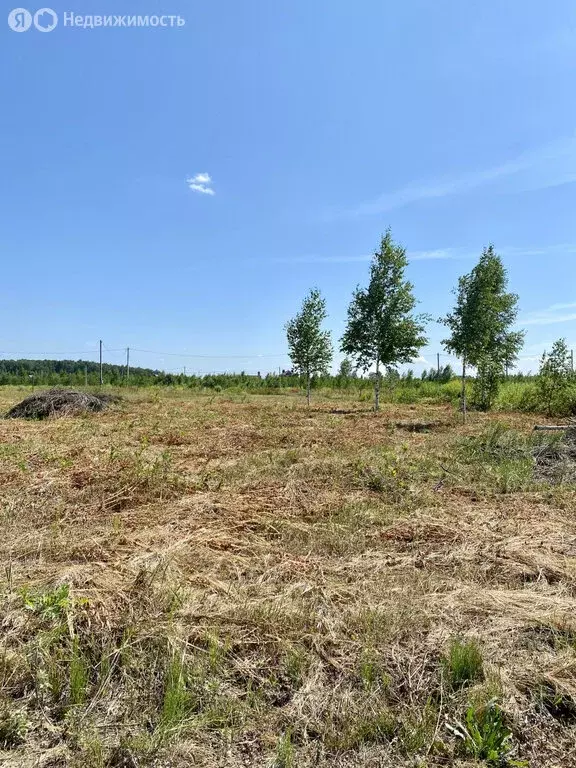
(285, 753)
(463, 663)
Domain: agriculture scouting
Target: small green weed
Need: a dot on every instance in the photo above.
(418, 729)
(463, 664)
(485, 735)
(556, 702)
(53, 605)
(285, 754)
(295, 663)
(362, 728)
(177, 699)
(13, 727)
(372, 673)
(79, 676)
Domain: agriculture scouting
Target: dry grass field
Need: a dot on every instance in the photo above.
(241, 581)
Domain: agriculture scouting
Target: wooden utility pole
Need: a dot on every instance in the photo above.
(438, 363)
(127, 364)
(86, 374)
(101, 378)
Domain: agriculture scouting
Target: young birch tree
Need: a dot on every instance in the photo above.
(381, 329)
(555, 378)
(310, 347)
(481, 323)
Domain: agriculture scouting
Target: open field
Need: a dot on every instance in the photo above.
(237, 580)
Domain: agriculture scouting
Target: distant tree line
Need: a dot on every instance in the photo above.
(443, 374)
(552, 390)
(70, 372)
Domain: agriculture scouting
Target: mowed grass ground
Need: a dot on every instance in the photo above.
(242, 581)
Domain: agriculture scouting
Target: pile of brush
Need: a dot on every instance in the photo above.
(60, 402)
(555, 461)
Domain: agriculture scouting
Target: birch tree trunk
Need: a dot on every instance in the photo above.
(464, 391)
(377, 386)
(308, 387)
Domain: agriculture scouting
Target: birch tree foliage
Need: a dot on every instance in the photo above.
(382, 329)
(481, 322)
(309, 346)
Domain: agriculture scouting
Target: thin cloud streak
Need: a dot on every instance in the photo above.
(556, 307)
(312, 259)
(411, 255)
(438, 254)
(562, 249)
(548, 320)
(551, 315)
(551, 165)
(435, 254)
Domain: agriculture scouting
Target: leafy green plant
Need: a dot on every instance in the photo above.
(463, 663)
(346, 370)
(53, 605)
(485, 735)
(487, 382)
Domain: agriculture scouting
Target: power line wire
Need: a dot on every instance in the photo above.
(253, 356)
(207, 357)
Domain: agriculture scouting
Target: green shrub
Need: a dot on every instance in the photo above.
(555, 379)
(518, 396)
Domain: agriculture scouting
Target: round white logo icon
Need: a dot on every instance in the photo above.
(19, 20)
(45, 20)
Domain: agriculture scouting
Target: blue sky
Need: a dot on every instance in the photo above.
(319, 124)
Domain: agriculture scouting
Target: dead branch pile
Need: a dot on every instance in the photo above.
(59, 402)
(556, 461)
